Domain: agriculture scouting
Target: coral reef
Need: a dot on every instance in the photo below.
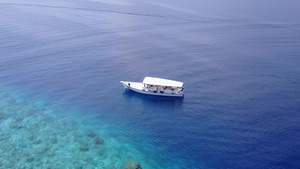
(98, 140)
(132, 165)
(39, 136)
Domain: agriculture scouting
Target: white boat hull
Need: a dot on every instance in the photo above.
(139, 88)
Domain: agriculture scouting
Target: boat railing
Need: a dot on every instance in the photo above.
(162, 89)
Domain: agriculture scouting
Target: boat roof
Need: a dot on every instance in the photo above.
(162, 82)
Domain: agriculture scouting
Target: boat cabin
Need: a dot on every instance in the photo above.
(158, 85)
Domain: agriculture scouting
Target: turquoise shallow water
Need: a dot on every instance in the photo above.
(35, 134)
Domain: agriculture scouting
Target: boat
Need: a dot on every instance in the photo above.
(156, 86)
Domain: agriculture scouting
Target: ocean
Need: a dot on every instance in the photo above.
(62, 104)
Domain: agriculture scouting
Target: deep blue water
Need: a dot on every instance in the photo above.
(65, 59)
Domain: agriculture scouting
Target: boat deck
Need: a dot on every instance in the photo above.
(137, 85)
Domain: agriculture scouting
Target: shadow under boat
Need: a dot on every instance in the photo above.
(178, 101)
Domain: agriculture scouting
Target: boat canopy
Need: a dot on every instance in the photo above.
(162, 82)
